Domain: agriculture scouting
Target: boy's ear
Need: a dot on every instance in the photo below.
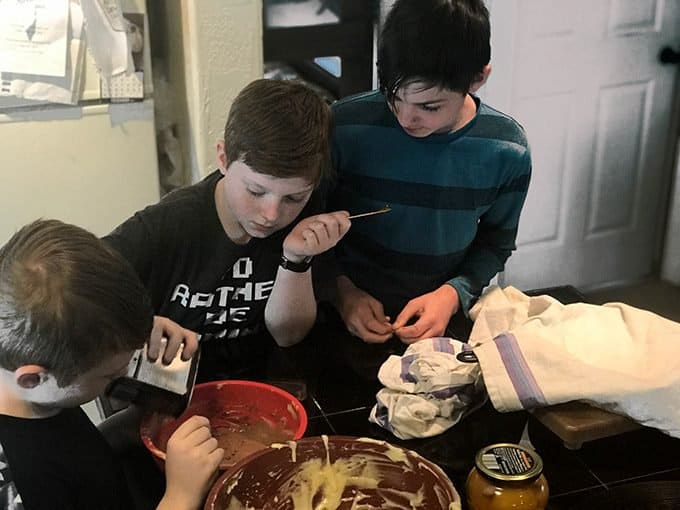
(481, 80)
(221, 157)
(30, 376)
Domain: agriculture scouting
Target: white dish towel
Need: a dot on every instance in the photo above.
(427, 390)
(535, 351)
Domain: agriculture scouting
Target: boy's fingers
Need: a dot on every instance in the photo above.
(375, 307)
(372, 338)
(323, 229)
(174, 343)
(335, 224)
(155, 340)
(319, 233)
(408, 332)
(372, 326)
(410, 311)
(422, 328)
(310, 237)
(378, 325)
(379, 328)
(215, 457)
(368, 336)
(193, 423)
(190, 345)
(200, 434)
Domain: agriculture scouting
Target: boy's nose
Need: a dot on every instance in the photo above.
(408, 116)
(270, 211)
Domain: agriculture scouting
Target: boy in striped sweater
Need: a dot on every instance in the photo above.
(454, 171)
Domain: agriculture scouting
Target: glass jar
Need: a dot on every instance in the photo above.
(507, 476)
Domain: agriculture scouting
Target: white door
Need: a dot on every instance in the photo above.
(583, 78)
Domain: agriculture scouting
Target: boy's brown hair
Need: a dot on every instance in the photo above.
(67, 301)
(280, 128)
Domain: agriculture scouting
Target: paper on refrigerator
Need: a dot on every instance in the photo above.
(53, 89)
(34, 36)
(107, 37)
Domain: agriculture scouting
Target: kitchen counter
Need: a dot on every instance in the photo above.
(339, 373)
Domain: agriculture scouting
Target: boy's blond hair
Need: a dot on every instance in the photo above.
(67, 301)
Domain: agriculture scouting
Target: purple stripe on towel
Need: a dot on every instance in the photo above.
(406, 375)
(442, 344)
(528, 391)
(445, 393)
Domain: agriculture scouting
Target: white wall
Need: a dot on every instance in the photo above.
(214, 50)
(670, 269)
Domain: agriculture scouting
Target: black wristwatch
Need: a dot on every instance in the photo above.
(296, 267)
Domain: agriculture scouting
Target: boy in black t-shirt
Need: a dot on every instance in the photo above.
(230, 257)
(72, 312)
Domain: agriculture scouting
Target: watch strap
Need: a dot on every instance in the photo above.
(296, 267)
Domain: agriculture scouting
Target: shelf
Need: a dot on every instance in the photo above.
(350, 39)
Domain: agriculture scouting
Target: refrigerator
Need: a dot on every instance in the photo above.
(92, 164)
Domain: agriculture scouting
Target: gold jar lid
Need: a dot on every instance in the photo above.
(509, 462)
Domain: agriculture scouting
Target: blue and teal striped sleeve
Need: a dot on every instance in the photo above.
(495, 239)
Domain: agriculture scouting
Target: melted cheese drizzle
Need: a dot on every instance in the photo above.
(319, 484)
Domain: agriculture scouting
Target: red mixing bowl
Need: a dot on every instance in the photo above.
(245, 416)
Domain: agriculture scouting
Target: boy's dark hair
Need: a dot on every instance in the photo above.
(444, 43)
(280, 128)
(67, 301)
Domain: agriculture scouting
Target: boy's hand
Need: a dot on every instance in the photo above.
(315, 235)
(177, 338)
(191, 463)
(432, 311)
(362, 314)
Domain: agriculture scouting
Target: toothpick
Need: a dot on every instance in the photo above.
(385, 209)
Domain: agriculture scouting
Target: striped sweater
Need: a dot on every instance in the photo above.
(456, 200)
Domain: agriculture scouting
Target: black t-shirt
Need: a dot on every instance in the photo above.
(61, 462)
(196, 275)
